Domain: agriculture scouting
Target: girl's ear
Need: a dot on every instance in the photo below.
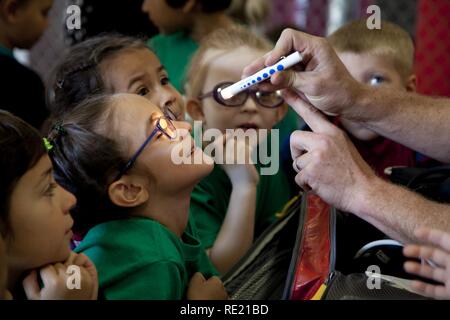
(8, 10)
(411, 83)
(128, 191)
(194, 109)
(189, 6)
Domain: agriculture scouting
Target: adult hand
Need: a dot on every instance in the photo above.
(325, 81)
(437, 249)
(326, 161)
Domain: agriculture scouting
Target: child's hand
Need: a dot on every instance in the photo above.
(241, 173)
(54, 278)
(439, 253)
(88, 272)
(201, 289)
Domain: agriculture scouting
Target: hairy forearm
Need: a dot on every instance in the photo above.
(419, 122)
(398, 212)
(236, 234)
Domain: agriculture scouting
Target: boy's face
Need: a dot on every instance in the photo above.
(167, 19)
(40, 220)
(136, 119)
(373, 70)
(29, 23)
(139, 71)
(227, 67)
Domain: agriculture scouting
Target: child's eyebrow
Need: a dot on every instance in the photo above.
(135, 79)
(44, 176)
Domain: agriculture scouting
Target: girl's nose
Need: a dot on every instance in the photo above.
(68, 200)
(250, 105)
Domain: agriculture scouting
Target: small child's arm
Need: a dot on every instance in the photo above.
(236, 233)
(437, 249)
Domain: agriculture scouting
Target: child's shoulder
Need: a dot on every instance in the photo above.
(136, 236)
(12, 69)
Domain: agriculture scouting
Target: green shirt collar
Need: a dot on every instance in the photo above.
(7, 52)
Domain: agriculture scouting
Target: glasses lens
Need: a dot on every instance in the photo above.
(167, 127)
(235, 101)
(269, 99)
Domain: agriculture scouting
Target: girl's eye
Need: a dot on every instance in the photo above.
(165, 81)
(376, 80)
(142, 91)
(49, 192)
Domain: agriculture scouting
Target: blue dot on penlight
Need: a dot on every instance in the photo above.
(280, 68)
(249, 84)
(253, 81)
(259, 78)
(272, 71)
(265, 75)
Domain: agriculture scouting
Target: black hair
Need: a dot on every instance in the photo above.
(86, 159)
(208, 6)
(77, 76)
(21, 148)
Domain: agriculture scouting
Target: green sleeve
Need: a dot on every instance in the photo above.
(208, 217)
(157, 281)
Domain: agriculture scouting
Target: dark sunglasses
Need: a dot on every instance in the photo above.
(263, 98)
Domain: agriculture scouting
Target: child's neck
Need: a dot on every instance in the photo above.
(172, 211)
(204, 24)
(4, 41)
(13, 278)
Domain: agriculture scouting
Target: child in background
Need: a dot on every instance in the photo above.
(22, 22)
(35, 223)
(183, 24)
(235, 203)
(112, 64)
(382, 58)
(115, 154)
(435, 247)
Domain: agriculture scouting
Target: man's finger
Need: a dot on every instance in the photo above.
(425, 271)
(429, 290)
(435, 237)
(290, 40)
(302, 181)
(301, 162)
(312, 116)
(423, 252)
(255, 66)
(302, 141)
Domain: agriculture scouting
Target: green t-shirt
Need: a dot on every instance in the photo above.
(210, 199)
(138, 258)
(7, 52)
(175, 52)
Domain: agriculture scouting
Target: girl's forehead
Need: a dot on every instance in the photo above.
(132, 106)
(232, 62)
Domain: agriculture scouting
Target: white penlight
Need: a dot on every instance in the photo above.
(261, 75)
